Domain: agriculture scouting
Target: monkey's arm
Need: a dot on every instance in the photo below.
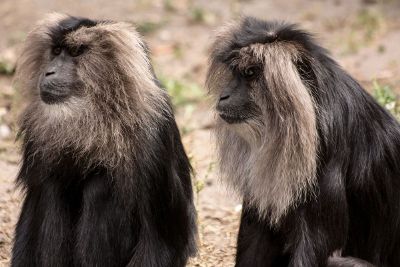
(168, 232)
(258, 245)
(104, 220)
(25, 240)
(165, 235)
(347, 262)
(43, 230)
(319, 226)
(135, 220)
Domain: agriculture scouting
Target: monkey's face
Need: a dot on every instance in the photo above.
(241, 86)
(60, 58)
(59, 80)
(236, 103)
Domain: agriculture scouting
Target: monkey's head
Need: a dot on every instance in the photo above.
(91, 87)
(58, 78)
(252, 64)
(260, 80)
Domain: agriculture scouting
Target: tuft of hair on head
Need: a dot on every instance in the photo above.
(118, 102)
(271, 159)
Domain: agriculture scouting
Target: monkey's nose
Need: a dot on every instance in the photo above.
(49, 73)
(224, 97)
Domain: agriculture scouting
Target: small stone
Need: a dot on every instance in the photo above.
(165, 35)
(3, 111)
(238, 208)
(5, 131)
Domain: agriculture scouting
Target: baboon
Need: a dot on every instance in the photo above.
(106, 178)
(315, 157)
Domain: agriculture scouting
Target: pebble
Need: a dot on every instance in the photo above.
(238, 208)
(165, 35)
(3, 111)
(5, 131)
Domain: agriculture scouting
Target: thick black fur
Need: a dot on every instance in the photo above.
(75, 214)
(357, 206)
(72, 217)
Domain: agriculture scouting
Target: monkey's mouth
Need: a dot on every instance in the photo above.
(51, 95)
(238, 114)
(233, 118)
(50, 98)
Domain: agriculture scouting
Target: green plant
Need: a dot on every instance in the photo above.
(169, 5)
(385, 96)
(6, 68)
(182, 93)
(370, 21)
(199, 184)
(365, 27)
(148, 27)
(197, 15)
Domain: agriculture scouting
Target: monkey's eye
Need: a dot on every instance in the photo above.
(250, 72)
(77, 51)
(56, 50)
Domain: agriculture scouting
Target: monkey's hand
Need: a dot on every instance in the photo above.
(347, 262)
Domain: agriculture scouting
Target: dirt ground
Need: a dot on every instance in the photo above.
(363, 36)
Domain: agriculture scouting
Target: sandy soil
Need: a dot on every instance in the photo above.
(363, 37)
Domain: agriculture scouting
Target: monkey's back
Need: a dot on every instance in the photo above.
(361, 155)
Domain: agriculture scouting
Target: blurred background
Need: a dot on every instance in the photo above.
(363, 35)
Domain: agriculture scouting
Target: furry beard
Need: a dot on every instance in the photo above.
(104, 122)
(271, 159)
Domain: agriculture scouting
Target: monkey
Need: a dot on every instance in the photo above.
(315, 158)
(105, 175)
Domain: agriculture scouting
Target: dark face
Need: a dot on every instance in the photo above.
(60, 80)
(235, 104)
